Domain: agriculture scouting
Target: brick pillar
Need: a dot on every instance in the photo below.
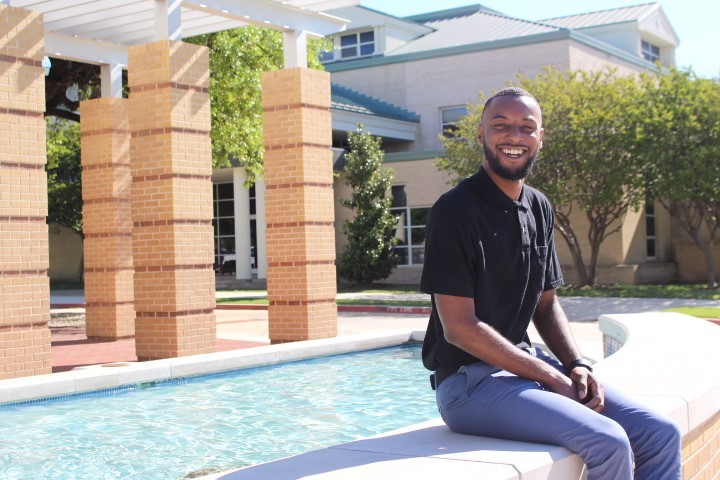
(171, 164)
(24, 258)
(107, 222)
(299, 205)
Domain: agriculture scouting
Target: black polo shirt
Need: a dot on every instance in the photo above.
(483, 245)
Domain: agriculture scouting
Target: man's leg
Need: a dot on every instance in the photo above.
(655, 439)
(505, 406)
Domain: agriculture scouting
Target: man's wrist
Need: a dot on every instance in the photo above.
(580, 362)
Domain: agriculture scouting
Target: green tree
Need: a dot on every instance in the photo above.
(63, 173)
(237, 59)
(589, 159)
(682, 145)
(67, 84)
(369, 254)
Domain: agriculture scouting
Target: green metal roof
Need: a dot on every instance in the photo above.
(476, 28)
(348, 100)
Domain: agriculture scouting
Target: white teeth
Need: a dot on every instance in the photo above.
(512, 151)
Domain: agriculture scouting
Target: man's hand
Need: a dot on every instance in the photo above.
(589, 390)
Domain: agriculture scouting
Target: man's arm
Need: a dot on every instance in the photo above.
(464, 330)
(553, 326)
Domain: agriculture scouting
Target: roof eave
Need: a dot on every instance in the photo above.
(560, 34)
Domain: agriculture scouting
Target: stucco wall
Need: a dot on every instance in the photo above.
(66, 254)
(424, 86)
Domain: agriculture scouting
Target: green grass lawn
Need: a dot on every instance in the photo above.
(684, 291)
(702, 312)
(675, 290)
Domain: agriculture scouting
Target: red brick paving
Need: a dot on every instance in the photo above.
(70, 348)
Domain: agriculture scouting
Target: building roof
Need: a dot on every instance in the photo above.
(633, 13)
(345, 99)
(476, 28)
(467, 26)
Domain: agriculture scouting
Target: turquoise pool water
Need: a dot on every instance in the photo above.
(182, 428)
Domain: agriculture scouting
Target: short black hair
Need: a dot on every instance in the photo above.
(517, 91)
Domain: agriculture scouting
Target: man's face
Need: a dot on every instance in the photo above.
(511, 133)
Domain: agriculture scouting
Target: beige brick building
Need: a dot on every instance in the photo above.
(408, 79)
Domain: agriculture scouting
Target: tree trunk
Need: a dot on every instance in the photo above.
(691, 217)
(709, 256)
(565, 229)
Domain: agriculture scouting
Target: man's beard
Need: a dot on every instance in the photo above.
(506, 173)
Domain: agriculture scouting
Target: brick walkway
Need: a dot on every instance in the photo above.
(70, 348)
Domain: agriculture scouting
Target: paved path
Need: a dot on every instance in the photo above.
(578, 309)
(242, 328)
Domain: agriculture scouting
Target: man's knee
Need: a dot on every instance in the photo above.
(612, 444)
(666, 432)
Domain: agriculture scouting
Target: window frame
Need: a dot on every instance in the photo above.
(222, 219)
(447, 129)
(411, 247)
(338, 47)
(650, 238)
(648, 51)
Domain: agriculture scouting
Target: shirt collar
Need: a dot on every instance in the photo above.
(490, 192)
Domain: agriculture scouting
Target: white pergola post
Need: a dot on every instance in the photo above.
(261, 229)
(167, 20)
(111, 80)
(295, 48)
(243, 266)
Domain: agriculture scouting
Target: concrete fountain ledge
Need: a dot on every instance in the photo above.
(669, 360)
(97, 377)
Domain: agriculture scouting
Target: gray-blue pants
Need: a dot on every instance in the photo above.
(479, 400)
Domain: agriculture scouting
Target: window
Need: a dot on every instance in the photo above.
(650, 238)
(253, 227)
(327, 56)
(223, 220)
(351, 45)
(360, 44)
(450, 117)
(650, 52)
(410, 231)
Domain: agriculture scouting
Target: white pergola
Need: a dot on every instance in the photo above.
(100, 31)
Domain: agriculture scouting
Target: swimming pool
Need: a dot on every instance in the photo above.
(187, 427)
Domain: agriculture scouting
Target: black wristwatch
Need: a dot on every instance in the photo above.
(580, 362)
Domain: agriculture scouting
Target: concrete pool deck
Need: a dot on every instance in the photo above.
(244, 327)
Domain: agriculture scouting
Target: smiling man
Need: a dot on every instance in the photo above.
(491, 268)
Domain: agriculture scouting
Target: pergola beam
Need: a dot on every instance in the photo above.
(272, 15)
(84, 50)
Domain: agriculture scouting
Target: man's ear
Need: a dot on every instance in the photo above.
(542, 138)
(480, 134)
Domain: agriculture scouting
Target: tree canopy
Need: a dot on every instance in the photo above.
(67, 84)
(590, 158)
(682, 150)
(611, 143)
(63, 173)
(237, 59)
